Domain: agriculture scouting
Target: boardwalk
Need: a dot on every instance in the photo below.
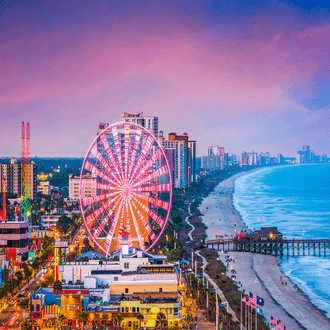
(286, 247)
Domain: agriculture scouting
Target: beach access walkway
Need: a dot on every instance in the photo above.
(217, 290)
(186, 220)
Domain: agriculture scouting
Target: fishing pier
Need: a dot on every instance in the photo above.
(271, 244)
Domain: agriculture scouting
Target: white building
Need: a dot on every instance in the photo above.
(95, 273)
(88, 189)
(48, 220)
(44, 187)
(149, 122)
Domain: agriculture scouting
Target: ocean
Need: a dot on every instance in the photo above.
(296, 199)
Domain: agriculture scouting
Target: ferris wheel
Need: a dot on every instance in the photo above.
(125, 188)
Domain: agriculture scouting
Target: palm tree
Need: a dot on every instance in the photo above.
(61, 319)
(119, 319)
(57, 286)
(161, 319)
(27, 325)
(83, 318)
(140, 317)
(104, 319)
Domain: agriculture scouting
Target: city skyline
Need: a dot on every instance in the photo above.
(245, 77)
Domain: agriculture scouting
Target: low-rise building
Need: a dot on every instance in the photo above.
(44, 187)
(88, 187)
(139, 283)
(14, 236)
(49, 220)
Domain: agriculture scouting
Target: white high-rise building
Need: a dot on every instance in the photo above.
(180, 144)
(148, 122)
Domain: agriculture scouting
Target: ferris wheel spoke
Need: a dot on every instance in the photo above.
(145, 150)
(154, 188)
(135, 148)
(161, 171)
(150, 162)
(128, 223)
(105, 220)
(110, 155)
(140, 238)
(120, 230)
(146, 225)
(103, 162)
(94, 199)
(152, 214)
(154, 201)
(109, 238)
(94, 170)
(102, 186)
(117, 147)
(93, 216)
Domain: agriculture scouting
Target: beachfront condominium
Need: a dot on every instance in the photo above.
(149, 122)
(192, 160)
(180, 144)
(215, 158)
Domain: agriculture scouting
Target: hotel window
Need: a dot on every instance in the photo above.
(38, 308)
(160, 289)
(138, 309)
(122, 309)
(126, 265)
(133, 309)
(126, 290)
(126, 310)
(115, 278)
(32, 308)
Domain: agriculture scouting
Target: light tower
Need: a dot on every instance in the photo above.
(25, 171)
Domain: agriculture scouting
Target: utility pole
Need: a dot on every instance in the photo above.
(217, 311)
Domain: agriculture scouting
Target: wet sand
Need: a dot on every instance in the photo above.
(259, 273)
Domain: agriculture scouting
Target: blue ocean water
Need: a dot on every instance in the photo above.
(296, 199)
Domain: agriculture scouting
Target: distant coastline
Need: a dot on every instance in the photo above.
(259, 273)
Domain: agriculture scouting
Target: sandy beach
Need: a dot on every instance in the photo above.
(258, 273)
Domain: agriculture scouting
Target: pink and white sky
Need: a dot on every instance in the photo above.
(245, 77)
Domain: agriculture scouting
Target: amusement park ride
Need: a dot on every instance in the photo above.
(25, 173)
(133, 188)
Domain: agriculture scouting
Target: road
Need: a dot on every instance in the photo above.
(11, 316)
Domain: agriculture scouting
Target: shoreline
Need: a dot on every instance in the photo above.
(259, 273)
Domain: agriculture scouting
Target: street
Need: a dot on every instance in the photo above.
(11, 316)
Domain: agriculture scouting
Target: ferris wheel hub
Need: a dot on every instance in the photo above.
(126, 190)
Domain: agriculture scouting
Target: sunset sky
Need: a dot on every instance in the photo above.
(245, 77)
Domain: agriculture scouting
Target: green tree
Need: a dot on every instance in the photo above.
(87, 247)
(119, 319)
(19, 275)
(161, 319)
(140, 317)
(27, 325)
(57, 287)
(61, 319)
(83, 318)
(24, 303)
(104, 319)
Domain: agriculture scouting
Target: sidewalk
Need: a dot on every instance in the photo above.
(202, 323)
